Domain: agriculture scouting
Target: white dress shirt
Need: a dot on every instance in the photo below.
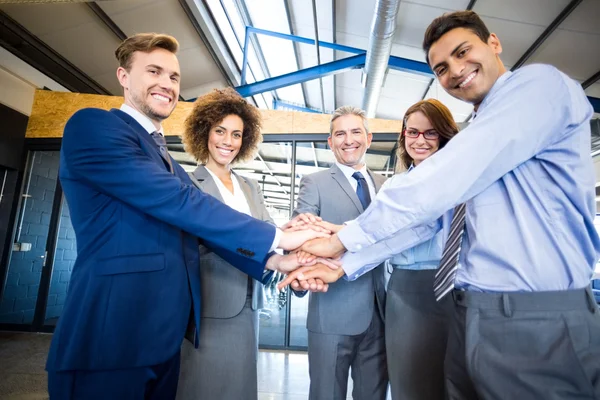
(348, 171)
(235, 200)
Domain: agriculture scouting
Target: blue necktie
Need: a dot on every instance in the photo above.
(362, 189)
(162, 147)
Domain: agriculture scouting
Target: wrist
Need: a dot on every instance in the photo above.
(273, 262)
(337, 244)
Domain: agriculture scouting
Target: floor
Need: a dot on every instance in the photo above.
(281, 375)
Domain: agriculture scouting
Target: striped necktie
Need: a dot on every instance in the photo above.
(162, 147)
(446, 273)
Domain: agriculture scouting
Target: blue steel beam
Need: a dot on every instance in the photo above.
(277, 104)
(412, 66)
(303, 75)
(301, 39)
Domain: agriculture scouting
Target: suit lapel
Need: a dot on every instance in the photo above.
(249, 194)
(143, 134)
(341, 179)
(376, 182)
(207, 183)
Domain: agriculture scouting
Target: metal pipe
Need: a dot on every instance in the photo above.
(378, 53)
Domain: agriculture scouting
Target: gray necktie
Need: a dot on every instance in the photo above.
(162, 146)
(446, 273)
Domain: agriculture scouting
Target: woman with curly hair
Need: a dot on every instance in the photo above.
(222, 129)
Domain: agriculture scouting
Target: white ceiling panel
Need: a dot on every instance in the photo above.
(196, 69)
(92, 38)
(534, 12)
(460, 110)
(574, 47)
(515, 37)
(412, 21)
(42, 19)
(445, 5)
(403, 85)
(584, 18)
(162, 16)
(578, 61)
(393, 107)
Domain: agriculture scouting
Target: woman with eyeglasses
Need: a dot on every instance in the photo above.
(416, 326)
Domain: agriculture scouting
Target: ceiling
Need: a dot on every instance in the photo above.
(211, 35)
(72, 47)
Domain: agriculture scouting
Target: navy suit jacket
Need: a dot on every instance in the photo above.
(137, 227)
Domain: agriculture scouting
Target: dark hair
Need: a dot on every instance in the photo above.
(211, 109)
(439, 116)
(144, 42)
(458, 19)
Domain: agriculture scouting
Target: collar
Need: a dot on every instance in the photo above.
(348, 171)
(141, 119)
(412, 166)
(499, 82)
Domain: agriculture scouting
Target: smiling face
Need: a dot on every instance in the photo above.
(151, 85)
(465, 66)
(349, 140)
(420, 148)
(225, 141)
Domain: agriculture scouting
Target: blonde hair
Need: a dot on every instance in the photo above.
(144, 42)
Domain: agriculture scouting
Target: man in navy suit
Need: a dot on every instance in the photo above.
(137, 217)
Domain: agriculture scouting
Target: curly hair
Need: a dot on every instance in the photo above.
(441, 119)
(212, 108)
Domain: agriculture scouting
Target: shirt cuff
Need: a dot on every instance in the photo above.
(276, 239)
(354, 238)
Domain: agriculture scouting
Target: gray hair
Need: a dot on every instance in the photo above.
(349, 110)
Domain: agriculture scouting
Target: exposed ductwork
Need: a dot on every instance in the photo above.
(378, 53)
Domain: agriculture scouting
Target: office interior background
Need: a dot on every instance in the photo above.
(266, 49)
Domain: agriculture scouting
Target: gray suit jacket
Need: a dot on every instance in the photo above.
(347, 307)
(224, 287)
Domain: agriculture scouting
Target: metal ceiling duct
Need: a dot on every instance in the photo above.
(378, 53)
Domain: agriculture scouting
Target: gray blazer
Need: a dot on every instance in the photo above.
(347, 307)
(224, 287)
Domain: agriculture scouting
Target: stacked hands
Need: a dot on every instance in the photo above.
(315, 253)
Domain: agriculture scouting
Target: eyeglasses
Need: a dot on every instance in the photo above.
(428, 135)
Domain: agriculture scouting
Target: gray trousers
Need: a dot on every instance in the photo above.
(330, 357)
(526, 346)
(416, 332)
(224, 366)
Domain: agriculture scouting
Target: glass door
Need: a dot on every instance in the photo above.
(28, 255)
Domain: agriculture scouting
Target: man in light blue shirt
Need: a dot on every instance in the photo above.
(525, 324)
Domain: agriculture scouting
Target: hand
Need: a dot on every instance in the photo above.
(330, 247)
(333, 228)
(284, 264)
(312, 285)
(301, 219)
(292, 240)
(317, 271)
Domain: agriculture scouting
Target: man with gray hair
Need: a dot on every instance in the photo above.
(345, 324)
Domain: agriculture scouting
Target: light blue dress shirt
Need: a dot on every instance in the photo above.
(524, 169)
(426, 255)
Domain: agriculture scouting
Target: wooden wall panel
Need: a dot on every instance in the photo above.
(51, 110)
